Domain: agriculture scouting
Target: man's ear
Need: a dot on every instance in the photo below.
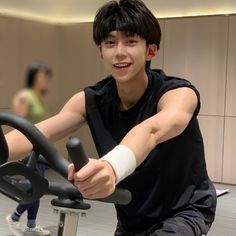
(151, 51)
(100, 50)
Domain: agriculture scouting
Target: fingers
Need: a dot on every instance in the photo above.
(93, 184)
(88, 170)
(98, 190)
(95, 180)
(71, 171)
(92, 190)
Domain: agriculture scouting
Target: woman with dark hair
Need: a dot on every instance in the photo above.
(145, 128)
(29, 103)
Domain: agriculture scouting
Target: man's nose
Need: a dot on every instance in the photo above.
(120, 50)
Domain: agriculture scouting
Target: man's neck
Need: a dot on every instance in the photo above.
(130, 92)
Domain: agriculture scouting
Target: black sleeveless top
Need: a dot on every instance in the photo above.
(173, 178)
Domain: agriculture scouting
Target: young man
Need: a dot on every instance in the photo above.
(145, 130)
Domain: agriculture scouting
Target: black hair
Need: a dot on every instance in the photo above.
(129, 16)
(33, 70)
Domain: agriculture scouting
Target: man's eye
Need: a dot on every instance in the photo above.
(132, 41)
(109, 42)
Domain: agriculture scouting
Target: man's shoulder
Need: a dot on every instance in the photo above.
(160, 75)
(101, 87)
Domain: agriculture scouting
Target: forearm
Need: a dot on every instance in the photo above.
(18, 145)
(174, 111)
(160, 128)
(54, 129)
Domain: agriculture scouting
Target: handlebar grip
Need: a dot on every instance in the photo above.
(119, 196)
(77, 153)
(79, 159)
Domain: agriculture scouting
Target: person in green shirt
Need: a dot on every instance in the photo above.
(29, 103)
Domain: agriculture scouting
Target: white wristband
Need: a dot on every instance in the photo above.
(123, 161)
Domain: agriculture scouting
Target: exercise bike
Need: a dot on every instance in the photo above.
(69, 203)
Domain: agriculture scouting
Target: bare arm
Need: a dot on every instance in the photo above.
(55, 128)
(175, 110)
(20, 104)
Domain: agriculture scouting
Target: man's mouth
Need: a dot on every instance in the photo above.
(122, 65)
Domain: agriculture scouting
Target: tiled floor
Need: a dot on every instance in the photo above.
(101, 220)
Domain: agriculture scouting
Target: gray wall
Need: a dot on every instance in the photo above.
(200, 49)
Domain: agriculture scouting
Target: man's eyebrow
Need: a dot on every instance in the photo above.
(110, 36)
(129, 34)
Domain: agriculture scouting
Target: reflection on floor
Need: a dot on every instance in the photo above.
(101, 219)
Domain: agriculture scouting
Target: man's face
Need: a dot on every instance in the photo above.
(124, 55)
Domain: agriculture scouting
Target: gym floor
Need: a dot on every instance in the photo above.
(101, 219)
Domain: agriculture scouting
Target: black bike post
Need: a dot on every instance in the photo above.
(69, 215)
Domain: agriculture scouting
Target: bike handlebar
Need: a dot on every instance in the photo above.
(42, 146)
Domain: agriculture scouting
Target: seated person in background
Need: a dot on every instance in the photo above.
(29, 103)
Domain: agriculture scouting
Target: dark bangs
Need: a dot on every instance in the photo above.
(128, 16)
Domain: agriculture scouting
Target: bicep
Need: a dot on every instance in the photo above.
(67, 120)
(174, 111)
(76, 105)
(54, 128)
(182, 101)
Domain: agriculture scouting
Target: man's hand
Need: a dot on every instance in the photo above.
(95, 180)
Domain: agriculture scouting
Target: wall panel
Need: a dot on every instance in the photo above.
(231, 70)
(196, 49)
(157, 61)
(212, 132)
(229, 165)
(9, 59)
